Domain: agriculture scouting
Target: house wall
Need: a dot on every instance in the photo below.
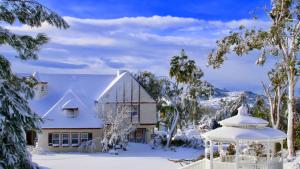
(127, 91)
(43, 138)
(147, 112)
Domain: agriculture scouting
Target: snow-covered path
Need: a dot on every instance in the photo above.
(138, 156)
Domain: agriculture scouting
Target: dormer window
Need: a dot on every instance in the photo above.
(70, 108)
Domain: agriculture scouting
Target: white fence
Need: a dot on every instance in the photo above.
(275, 163)
(196, 165)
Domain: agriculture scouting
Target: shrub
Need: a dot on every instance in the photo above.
(231, 149)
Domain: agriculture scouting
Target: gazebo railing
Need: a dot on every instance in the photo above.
(275, 163)
(223, 165)
(201, 164)
(246, 162)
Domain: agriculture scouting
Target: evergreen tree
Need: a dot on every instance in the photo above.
(15, 114)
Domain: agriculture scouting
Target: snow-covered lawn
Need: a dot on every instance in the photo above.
(138, 156)
(290, 165)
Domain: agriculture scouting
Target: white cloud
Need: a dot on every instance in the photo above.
(150, 22)
(139, 43)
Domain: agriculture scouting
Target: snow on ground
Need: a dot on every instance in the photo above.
(290, 165)
(138, 156)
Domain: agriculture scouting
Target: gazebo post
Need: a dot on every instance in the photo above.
(205, 150)
(211, 154)
(268, 153)
(237, 154)
(220, 149)
(281, 147)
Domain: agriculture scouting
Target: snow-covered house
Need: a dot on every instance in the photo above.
(73, 106)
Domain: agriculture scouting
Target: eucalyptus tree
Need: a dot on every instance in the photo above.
(275, 93)
(150, 83)
(187, 79)
(15, 114)
(281, 39)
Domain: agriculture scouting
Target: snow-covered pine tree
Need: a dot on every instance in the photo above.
(15, 114)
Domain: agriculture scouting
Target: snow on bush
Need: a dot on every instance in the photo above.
(118, 127)
(206, 124)
(89, 146)
(159, 139)
(190, 137)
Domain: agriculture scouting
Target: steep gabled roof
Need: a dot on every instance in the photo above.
(81, 88)
(130, 79)
(111, 84)
(56, 117)
(86, 87)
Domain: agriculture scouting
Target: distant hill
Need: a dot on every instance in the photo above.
(215, 101)
(223, 104)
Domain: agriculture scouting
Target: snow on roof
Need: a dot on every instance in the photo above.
(244, 126)
(56, 117)
(243, 119)
(235, 133)
(84, 86)
(119, 76)
(70, 104)
(87, 87)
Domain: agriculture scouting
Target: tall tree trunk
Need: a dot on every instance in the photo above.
(173, 126)
(291, 113)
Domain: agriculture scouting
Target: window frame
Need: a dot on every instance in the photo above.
(81, 138)
(55, 139)
(134, 110)
(63, 139)
(78, 139)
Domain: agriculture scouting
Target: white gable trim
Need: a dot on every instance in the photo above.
(117, 79)
(111, 85)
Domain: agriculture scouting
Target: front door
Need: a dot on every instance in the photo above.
(138, 136)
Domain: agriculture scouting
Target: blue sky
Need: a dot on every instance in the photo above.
(202, 9)
(143, 35)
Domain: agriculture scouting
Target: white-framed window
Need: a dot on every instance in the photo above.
(134, 110)
(75, 139)
(55, 139)
(65, 139)
(84, 137)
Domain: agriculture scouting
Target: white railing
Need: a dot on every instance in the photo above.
(274, 163)
(246, 162)
(201, 164)
(223, 165)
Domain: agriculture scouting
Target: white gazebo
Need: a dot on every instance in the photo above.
(252, 144)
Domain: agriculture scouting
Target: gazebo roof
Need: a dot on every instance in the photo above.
(243, 119)
(235, 133)
(243, 126)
